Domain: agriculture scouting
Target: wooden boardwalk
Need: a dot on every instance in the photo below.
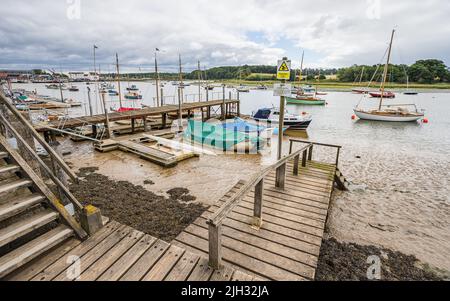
(120, 253)
(287, 245)
(71, 123)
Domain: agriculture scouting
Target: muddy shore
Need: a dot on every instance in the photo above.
(350, 262)
(133, 205)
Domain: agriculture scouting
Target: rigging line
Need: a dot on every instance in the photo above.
(373, 77)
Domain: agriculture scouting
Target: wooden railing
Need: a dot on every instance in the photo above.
(311, 150)
(56, 159)
(257, 182)
(52, 172)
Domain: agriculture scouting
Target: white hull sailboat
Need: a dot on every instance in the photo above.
(391, 113)
(394, 114)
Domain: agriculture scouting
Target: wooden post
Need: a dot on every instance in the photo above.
(337, 157)
(296, 163)
(164, 120)
(162, 97)
(108, 128)
(281, 176)
(224, 114)
(291, 147)
(90, 102)
(310, 155)
(133, 125)
(305, 154)
(258, 206)
(215, 246)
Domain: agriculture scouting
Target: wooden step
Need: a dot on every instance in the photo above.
(33, 249)
(26, 226)
(19, 205)
(9, 168)
(4, 155)
(9, 187)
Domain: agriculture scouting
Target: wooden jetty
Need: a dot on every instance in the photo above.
(228, 107)
(146, 148)
(272, 225)
(121, 253)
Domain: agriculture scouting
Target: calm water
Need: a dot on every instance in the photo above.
(400, 196)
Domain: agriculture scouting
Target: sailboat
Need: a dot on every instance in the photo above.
(127, 96)
(242, 88)
(393, 113)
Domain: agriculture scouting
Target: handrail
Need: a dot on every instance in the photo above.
(60, 185)
(39, 138)
(257, 181)
(218, 217)
(338, 147)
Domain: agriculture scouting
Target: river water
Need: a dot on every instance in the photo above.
(400, 196)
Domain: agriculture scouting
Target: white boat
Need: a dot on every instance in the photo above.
(394, 112)
(291, 121)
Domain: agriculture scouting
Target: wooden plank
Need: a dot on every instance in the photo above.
(270, 271)
(61, 264)
(286, 258)
(164, 265)
(201, 271)
(241, 277)
(26, 226)
(110, 257)
(182, 270)
(146, 262)
(215, 245)
(297, 243)
(98, 251)
(119, 268)
(38, 246)
(223, 274)
(39, 264)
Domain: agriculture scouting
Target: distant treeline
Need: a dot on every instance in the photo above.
(423, 71)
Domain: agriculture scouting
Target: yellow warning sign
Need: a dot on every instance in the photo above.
(284, 69)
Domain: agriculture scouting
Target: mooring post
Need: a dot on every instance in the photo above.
(257, 211)
(162, 97)
(215, 246)
(305, 154)
(164, 120)
(224, 113)
(337, 156)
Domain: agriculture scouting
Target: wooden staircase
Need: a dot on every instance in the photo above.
(32, 220)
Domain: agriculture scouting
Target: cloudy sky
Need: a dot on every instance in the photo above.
(60, 34)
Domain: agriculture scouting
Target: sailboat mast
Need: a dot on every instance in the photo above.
(362, 74)
(301, 68)
(386, 68)
(118, 79)
(181, 78)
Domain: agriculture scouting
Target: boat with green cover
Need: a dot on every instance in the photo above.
(218, 136)
(305, 100)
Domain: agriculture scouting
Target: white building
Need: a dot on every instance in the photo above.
(84, 76)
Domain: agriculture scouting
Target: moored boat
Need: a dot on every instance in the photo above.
(133, 95)
(382, 94)
(291, 121)
(394, 112)
(133, 88)
(73, 89)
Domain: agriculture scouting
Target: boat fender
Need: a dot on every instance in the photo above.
(425, 120)
(353, 117)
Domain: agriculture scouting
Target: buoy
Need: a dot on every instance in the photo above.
(353, 117)
(425, 120)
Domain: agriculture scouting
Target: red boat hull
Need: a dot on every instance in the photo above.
(385, 94)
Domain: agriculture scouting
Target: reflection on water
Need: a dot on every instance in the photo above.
(401, 171)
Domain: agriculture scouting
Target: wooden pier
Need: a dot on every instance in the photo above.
(120, 253)
(272, 226)
(227, 107)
